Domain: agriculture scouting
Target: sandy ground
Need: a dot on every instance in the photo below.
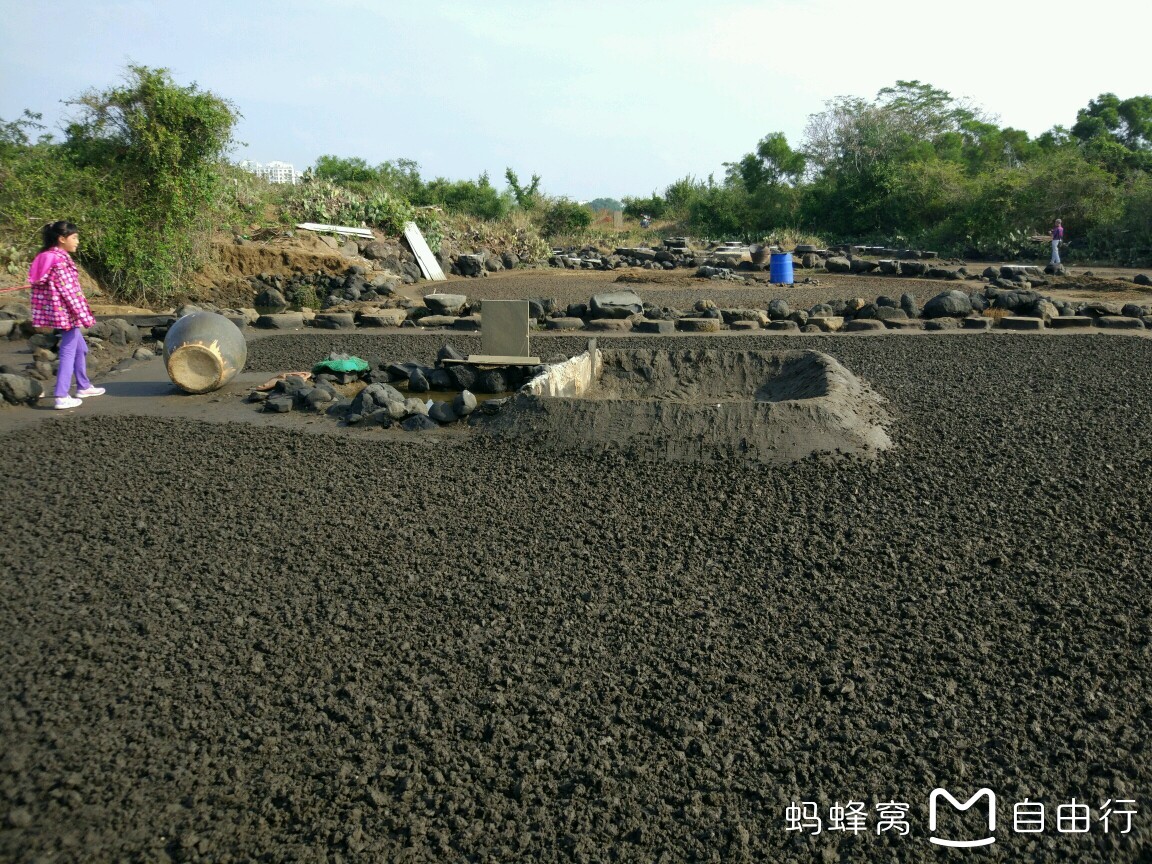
(227, 640)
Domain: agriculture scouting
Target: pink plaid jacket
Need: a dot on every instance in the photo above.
(57, 298)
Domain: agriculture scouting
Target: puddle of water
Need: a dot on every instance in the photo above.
(447, 395)
(350, 391)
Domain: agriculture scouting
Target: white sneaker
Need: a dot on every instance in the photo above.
(90, 391)
(63, 402)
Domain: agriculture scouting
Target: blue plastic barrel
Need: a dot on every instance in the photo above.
(780, 268)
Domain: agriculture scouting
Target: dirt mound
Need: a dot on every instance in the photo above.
(1098, 284)
(230, 263)
(704, 405)
(658, 277)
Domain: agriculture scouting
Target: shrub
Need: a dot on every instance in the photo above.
(562, 216)
(138, 172)
(321, 201)
(146, 157)
(653, 205)
(474, 197)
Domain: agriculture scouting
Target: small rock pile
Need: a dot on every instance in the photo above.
(378, 400)
(1007, 291)
(722, 260)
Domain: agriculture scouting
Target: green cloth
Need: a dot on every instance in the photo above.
(341, 363)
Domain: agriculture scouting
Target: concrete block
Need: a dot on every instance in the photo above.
(980, 323)
(610, 324)
(1070, 322)
(563, 324)
(1119, 322)
(1015, 322)
(698, 325)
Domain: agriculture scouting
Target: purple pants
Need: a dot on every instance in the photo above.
(73, 361)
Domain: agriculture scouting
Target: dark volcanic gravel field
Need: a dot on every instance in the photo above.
(235, 643)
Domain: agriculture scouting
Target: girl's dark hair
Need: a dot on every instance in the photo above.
(54, 231)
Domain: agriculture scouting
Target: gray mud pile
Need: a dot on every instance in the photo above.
(708, 405)
(231, 643)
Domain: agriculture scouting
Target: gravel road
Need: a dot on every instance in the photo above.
(232, 643)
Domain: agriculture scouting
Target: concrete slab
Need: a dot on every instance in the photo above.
(496, 360)
(1070, 322)
(654, 326)
(1119, 322)
(976, 323)
(506, 327)
(1013, 322)
(281, 321)
(437, 321)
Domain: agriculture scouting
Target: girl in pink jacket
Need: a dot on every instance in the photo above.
(58, 301)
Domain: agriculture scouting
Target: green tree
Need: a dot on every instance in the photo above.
(860, 154)
(154, 148)
(719, 212)
(768, 177)
(654, 205)
(1128, 121)
(527, 197)
(1116, 133)
(604, 204)
(563, 217)
(402, 177)
(473, 197)
(39, 183)
(14, 134)
(343, 170)
(679, 196)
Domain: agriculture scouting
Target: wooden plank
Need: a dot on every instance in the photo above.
(336, 229)
(424, 257)
(495, 360)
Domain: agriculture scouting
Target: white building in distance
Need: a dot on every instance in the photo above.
(273, 172)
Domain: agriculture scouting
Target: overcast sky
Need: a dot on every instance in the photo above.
(599, 98)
